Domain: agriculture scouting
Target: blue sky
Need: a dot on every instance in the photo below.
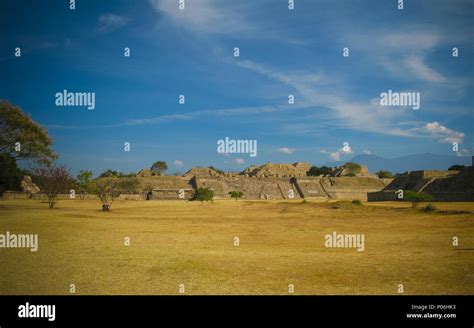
(282, 52)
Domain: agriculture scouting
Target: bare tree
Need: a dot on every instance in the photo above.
(53, 180)
(108, 189)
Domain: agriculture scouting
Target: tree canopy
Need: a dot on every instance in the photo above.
(23, 138)
(159, 167)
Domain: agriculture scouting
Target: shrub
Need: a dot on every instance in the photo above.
(429, 208)
(416, 197)
(384, 174)
(317, 171)
(236, 194)
(356, 202)
(456, 167)
(354, 167)
(350, 175)
(203, 194)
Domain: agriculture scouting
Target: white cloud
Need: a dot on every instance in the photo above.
(239, 161)
(178, 163)
(421, 69)
(335, 156)
(204, 16)
(441, 133)
(111, 22)
(286, 150)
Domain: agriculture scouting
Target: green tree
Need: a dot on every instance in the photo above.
(53, 180)
(109, 173)
(108, 189)
(203, 194)
(84, 178)
(236, 194)
(456, 167)
(317, 171)
(384, 174)
(416, 197)
(159, 167)
(10, 174)
(23, 138)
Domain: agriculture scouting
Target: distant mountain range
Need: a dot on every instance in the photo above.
(406, 163)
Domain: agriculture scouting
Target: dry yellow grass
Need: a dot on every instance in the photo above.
(192, 243)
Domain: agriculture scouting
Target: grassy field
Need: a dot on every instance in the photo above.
(192, 243)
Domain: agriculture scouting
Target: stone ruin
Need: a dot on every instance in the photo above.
(269, 170)
(441, 185)
(28, 186)
(268, 181)
(290, 181)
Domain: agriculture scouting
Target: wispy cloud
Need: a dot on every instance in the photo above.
(286, 150)
(239, 161)
(204, 16)
(178, 163)
(110, 22)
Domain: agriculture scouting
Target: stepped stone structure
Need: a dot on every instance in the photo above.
(441, 185)
(290, 181)
(268, 181)
(268, 170)
(28, 186)
(352, 168)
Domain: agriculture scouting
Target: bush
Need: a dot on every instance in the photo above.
(456, 167)
(203, 194)
(384, 174)
(416, 197)
(356, 202)
(350, 175)
(236, 194)
(354, 167)
(317, 171)
(429, 208)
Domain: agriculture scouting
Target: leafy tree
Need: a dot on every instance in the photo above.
(84, 178)
(236, 194)
(53, 180)
(23, 138)
(10, 174)
(384, 174)
(416, 197)
(128, 185)
(159, 167)
(108, 189)
(203, 194)
(109, 174)
(354, 167)
(317, 171)
(456, 167)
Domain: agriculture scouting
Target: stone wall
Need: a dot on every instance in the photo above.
(445, 186)
(252, 187)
